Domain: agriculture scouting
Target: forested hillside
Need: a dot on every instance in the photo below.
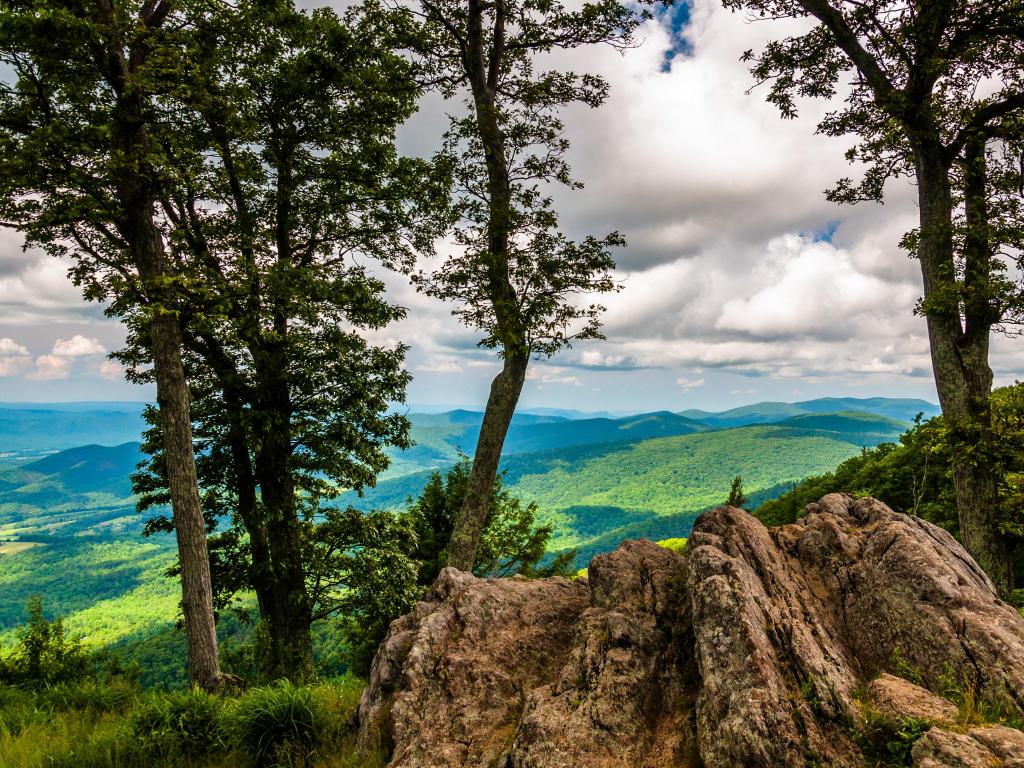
(595, 481)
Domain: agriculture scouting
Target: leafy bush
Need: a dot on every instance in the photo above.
(45, 655)
(183, 722)
(280, 725)
(883, 741)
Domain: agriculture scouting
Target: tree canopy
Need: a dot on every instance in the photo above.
(933, 91)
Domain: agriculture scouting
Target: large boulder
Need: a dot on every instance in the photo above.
(759, 647)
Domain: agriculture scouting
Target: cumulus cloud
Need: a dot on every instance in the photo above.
(50, 367)
(14, 357)
(736, 262)
(78, 346)
(9, 347)
(110, 370)
(552, 374)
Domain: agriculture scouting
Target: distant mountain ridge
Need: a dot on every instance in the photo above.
(38, 427)
(596, 494)
(900, 409)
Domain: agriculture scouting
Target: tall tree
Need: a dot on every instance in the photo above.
(81, 178)
(936, 93)
(516, 276)
(301, 182)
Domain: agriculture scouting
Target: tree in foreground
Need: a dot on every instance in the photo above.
(516, 277)
(936, 94)
(82, 176)
(915, 477)
(300, 184)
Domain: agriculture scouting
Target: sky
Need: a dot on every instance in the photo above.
(740, 282)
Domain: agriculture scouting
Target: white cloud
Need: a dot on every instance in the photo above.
(439, 366)
(721, 202)
(111, 370)
(78, 346)
(13, 365)
(552, 374)
(11, 347)
(688, 384)
(593, 358)
(50, 367)
(14, 357)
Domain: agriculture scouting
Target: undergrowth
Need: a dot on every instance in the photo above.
(116, 725)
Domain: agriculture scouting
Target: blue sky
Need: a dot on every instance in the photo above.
(741, 282)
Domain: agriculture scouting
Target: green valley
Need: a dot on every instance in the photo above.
(69, 530)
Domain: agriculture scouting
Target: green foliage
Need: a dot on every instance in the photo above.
(381, 562)
(677, 544)
(280, 724)
(736, 496)
(184, 729)
(651, 488)
(515, 274)
(187, 722)
(903, 668)
(361, 572)
(915, 476)
(885, 742)
(44, 655)
(510, 542)
(912, 476)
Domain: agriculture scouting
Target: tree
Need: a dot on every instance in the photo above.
(84, 152)
(937, 95)
(45, 655)
(300, 182)
(510, 541)
(516, 274)
(370, 568)
(736, 497)
(916, 476)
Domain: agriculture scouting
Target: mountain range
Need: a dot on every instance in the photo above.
(69, 530)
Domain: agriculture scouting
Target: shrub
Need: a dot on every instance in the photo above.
(180, 722)
(44, 655)
(281, 724)
(89, 695)
(17, 710)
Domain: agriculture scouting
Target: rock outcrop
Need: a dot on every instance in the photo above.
(790, 646)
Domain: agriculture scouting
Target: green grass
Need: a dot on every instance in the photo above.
(114, 726)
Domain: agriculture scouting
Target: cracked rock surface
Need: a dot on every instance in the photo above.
(759, 647)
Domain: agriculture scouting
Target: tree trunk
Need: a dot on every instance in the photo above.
(484, 72)
(189, 525)
(136, 196)
(501, 405)
(289, 612)
(248, 506)
(963, 377)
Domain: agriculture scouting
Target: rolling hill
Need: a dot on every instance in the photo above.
(610, 491)
(34, 428)
(596, 480)
(900, 409)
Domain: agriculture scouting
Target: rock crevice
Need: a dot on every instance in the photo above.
(759, 647)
